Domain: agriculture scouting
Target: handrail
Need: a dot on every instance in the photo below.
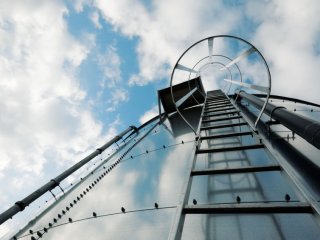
(306, 128)
(20, 205)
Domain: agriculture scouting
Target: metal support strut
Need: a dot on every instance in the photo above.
(306, 128)
(22, 204)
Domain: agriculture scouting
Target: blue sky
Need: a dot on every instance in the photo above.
(75, 73)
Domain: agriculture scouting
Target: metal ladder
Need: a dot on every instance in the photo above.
(222, 123)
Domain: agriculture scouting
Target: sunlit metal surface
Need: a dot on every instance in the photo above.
(184, 68)
(240, 57)
(252, 86)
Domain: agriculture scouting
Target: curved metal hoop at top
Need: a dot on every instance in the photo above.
(225, 66)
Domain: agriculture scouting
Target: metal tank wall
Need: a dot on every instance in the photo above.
(136, 199)
(147, 184)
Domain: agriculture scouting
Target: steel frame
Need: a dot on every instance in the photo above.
(249, 208)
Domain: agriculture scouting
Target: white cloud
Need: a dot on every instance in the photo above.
(118, 96)
(109, 63)
(154, 111)
(95, 18)
(166, 30)
(79, 4)
(287, 35)
(110, 66)
(44, 119)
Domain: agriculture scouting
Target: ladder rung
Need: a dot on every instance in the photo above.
(219, 110)
(226, 135)
(229, 149)
(221, 119)
(215, 92)
(220, 114)
(227, 161)
(216, 100)
(281, 207)
(223, 126)
(219, 106)
(234, 190)
(248, 169)
(216, 145)
(214, 103)
(218, 96)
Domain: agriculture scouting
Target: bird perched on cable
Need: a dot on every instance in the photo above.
(194, 202)
(156, 205)
(287, 197)
(94, 214)
(238, 199)
(123, 209)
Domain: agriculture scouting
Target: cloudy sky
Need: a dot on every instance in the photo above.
(75, 73)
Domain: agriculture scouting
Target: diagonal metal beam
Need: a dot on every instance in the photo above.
(53, 183)
(210, 48)
(185, 97)
(184, 68)
(247, 85)
(239, 58)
